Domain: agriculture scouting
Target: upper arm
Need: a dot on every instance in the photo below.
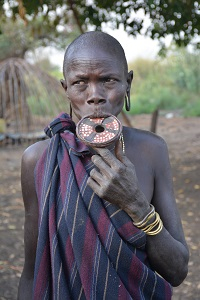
(163, 197)
(29, 160)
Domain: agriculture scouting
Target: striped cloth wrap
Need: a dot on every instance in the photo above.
(87, 247)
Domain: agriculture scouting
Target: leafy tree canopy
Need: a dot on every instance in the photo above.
(24, 30)
(181, 18)
(16, 38)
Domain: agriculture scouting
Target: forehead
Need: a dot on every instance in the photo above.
(94, 57)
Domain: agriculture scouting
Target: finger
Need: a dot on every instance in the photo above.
(103, 167)
(97, 176)
(93, 185)
(108, 157)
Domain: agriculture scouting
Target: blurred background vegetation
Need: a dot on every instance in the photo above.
(170, 83)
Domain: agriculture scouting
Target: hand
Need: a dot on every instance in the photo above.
(115, 180)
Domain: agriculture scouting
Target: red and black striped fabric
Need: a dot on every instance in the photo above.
(87, 247)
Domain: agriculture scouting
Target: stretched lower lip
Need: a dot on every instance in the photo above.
(99, 113)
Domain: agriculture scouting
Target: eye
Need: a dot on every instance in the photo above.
(79, 82)
(109, 80)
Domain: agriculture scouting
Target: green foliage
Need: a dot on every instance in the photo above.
(56, 74)
(184, 67)
(192, 109)
(179, 18)
(14, 39)
(172, 83)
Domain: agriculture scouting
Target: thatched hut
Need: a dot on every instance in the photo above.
(29, 97)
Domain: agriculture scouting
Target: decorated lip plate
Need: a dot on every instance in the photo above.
(99, 131)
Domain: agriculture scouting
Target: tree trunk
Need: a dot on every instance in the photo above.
(126, 120)
(154, 120)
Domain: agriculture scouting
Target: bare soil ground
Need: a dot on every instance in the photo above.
(183, 138)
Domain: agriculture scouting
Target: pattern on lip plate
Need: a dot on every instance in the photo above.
(99, 130)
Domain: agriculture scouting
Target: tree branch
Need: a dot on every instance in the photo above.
(76, 15)
(22, 11)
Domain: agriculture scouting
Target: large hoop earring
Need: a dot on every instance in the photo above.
(127, 103)
(70, 110)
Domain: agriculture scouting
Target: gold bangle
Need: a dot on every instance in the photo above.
(147, 220)
(154, 227)
(150, 229)
(160, 227)
(137, 224)
(153, 224)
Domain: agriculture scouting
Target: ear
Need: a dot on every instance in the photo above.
(64, 84)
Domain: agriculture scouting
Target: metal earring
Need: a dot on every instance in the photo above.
(127, 103)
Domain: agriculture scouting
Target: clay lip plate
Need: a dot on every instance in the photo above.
(99, 131)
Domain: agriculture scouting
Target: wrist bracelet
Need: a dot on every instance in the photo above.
(157, 230)
(154, 227)
(144, 221)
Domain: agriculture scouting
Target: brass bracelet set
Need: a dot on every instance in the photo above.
(151, 224)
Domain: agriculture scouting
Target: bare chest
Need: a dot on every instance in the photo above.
(144, 170)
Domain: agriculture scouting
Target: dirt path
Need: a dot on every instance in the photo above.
(183, 138)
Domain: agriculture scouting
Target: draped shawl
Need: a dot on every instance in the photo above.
(87, 248)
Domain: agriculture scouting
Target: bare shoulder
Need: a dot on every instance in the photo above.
(145, 136)
(33, 153)
(29, 159)
(145, 143)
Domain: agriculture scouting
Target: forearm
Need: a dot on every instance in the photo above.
(168, 257)
(25, 288)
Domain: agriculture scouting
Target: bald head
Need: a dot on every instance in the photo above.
(93, 41)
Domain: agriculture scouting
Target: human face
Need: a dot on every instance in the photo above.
(95, 83)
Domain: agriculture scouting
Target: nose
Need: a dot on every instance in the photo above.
(96, 95)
